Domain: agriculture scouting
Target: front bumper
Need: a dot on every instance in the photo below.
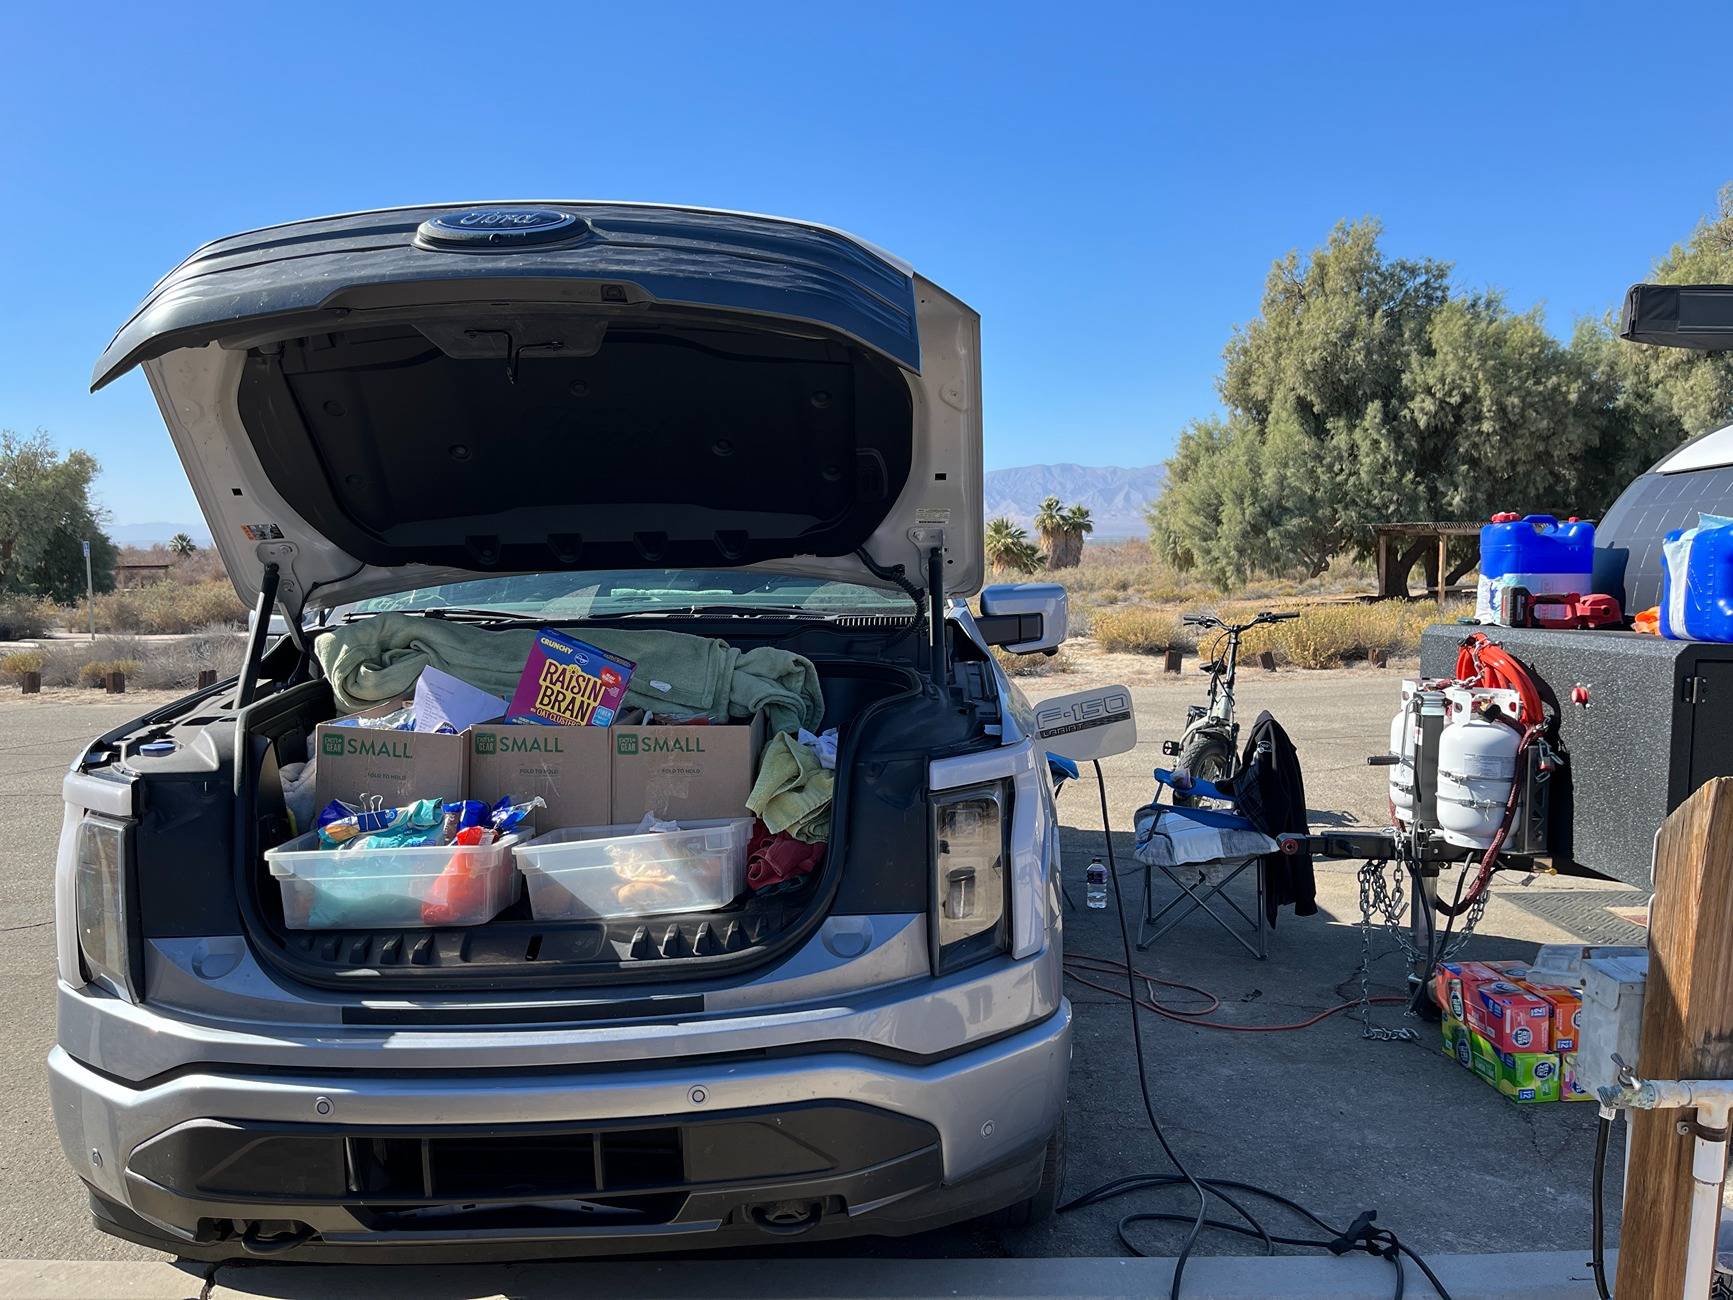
(350, 1164)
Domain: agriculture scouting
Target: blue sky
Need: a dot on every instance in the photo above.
(1106, 184)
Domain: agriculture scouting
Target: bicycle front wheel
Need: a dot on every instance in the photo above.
(1208, 757)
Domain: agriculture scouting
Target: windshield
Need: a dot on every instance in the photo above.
(645, 591)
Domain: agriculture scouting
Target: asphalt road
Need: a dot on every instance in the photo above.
(1340, 1123)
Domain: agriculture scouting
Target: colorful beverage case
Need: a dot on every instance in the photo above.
(569, 683)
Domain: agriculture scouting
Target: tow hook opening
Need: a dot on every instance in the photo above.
(272, 1236)
(786, 1218)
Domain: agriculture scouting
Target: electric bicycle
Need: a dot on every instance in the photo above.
(1209, 749)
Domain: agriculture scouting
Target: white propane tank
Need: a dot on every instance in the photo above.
(1476, 766)
(1408, 806)
(1402, 746)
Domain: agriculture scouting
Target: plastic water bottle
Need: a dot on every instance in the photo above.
(1095, 884)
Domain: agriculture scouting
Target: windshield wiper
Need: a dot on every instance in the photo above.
(721, 611)
(472, 614)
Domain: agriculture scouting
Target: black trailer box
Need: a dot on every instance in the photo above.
(1658, 723)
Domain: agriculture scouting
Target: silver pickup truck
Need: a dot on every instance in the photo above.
(572, 413)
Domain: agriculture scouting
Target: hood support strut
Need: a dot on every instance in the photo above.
(941, 667)
(256, 638)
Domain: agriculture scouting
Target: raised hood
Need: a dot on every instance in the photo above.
(394, 399)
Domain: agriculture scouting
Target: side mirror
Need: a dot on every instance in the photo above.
(1023, 617)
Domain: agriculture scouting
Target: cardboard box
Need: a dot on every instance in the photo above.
(569, 683)
(365, 764)
(1457, 1044)
(1524, 1077)
(1565, 999)
(679, 772)
(1567, 1010)
(1454, 981)
(1528, 1076)
(567, 767)
(1470, 1050)
(1571, 1086)
(1509, 1016)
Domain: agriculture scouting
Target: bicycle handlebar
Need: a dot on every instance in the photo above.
(1210, 620)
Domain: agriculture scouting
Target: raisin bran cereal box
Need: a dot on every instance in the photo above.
(569, 683)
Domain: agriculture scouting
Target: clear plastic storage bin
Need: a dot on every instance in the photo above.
(601, 871)
(402, 888)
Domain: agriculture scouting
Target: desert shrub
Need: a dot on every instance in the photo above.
(15, 665)
(95, 671)
(1325, 636)
(25, 617)
(148, 665)
(164, 607)
(1033, 665)
(175, 665)
(1140, 629)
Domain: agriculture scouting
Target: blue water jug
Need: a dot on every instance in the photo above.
(1536, 553)
(1697, 582)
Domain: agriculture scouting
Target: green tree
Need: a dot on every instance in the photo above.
(1066, 552)
(1655, 398)
(1367, 390)
(1008, 547)
(46, 515)
(1050, 525)
(181, 546)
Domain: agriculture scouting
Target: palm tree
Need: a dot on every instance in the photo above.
(1050, 524)
(1075, 525)
(1008, 547)
(181, 546)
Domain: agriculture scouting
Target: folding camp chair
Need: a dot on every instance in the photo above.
(1201, 851)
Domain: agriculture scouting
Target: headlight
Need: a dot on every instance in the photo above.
(971, 918)
(103, 913)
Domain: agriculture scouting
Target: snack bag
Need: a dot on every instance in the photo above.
(459, 892)
(344, 827)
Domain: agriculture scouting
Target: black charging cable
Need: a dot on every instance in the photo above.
(1363, 1234)
(1598, 1261)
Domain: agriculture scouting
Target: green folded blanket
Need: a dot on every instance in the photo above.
(378, 658)
(793, 791)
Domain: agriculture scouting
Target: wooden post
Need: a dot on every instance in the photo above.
(1267, 660)
(116, 683)
(1443, 564)
(30, 683)
(1384, 564)
(207, 678)
(1173, 661)
(1687, 1031)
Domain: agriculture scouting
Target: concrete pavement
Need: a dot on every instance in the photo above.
(1529, 1276)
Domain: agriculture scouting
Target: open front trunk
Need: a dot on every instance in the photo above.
(378, 405)
(514, 949)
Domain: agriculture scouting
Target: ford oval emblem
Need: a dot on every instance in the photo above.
(500, 228)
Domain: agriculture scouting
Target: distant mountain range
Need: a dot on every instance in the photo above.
(1116, 496)
(154, 533)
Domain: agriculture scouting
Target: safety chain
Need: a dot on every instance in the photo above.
(1374, 893)
(1389, 899)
